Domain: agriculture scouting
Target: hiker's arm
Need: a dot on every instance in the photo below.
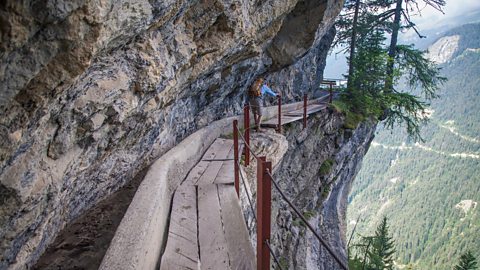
(266, 89)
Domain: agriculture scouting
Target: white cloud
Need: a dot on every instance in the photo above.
(431, 17)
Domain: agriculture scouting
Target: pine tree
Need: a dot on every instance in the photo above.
(401, 20)
(383, 248)
(374, 252)
(467, 262)
(375, 68)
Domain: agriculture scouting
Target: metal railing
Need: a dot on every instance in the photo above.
(264, 193)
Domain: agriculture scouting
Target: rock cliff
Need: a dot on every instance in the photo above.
(92, 91)
(315, 169)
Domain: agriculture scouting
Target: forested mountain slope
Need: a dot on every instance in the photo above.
(430, 190)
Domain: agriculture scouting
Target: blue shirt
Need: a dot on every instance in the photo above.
(267, 90)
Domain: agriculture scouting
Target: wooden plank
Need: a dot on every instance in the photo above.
(208, 177)
(226, 173)
(285, 120)
(210, 173)
(213, 246)
(291, 118)
(310, 109)
(240, 250)
(196, 173)
(181, 251)
(218, 144)
(200, 168)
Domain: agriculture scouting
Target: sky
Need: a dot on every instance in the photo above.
(430, 17)
(454, 12)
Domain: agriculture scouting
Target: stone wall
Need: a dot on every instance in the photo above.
(92, 91)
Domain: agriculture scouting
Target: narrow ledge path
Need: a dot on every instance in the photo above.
(207, 227)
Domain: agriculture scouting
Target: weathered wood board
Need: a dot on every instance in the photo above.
(181, 251)
(208, 177)
(240, 250)
(226, 173)
(215, 150)
(293, 116)
(213, 246)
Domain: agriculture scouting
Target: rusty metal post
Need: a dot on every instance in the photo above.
(235, 157)
(279, 127)
(330, 99)
(304, 111)
(264, 206)
(246, 133)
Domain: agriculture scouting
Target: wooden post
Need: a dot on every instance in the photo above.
(304, 111)
(235, 157)
(264, 204)
(246, 133)
(330, 99)
(279, 127)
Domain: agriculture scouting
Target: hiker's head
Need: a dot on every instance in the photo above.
(259, 80)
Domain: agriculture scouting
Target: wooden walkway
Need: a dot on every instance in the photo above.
(207, 229)
(292, 116)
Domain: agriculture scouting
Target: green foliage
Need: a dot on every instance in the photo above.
(374, 252)
(326, 189)
(369, 65)
(308, 214)
(288, 127)
(352, 118)
(283, 263)
(383, 248)
(405, 110)
(298, 223)
(242, 159)
(420, 72)
(370, 91)
(420, 185)
(326, 167)
(467, 262)
(355, 263)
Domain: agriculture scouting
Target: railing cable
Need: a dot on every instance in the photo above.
(245, 143)
(248, 196)
(329, 249)
(274, 256)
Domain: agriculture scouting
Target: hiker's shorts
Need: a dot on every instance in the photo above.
(256, 105)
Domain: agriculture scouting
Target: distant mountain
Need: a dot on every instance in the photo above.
(430, 190)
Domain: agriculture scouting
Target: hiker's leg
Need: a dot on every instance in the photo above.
(259, 123)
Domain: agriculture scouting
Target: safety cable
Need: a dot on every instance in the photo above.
(245, 142)
(246, 192)
(273, 254)
(329, 249)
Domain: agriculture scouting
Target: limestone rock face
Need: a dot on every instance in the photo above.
(92, 91)
(444, 49)
(316, 174)
(314, 168)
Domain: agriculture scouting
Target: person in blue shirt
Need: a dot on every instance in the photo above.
(255, 98)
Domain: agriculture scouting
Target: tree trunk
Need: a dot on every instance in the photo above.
(393, 46)
(352, 45)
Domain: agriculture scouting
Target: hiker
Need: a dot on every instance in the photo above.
(255, 94)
